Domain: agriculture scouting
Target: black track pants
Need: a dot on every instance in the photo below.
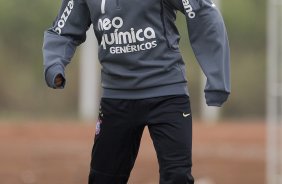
(119, 131)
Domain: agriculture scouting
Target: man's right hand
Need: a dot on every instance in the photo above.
(59, 80)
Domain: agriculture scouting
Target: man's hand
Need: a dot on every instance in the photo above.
(59, 80)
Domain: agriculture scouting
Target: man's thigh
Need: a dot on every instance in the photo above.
(117, 141)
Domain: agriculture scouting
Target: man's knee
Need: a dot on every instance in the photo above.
(175, 168)
(175, 177)
(96, 177)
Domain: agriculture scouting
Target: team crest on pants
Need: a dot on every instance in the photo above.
(98, 126)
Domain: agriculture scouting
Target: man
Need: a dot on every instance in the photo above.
(143, 77)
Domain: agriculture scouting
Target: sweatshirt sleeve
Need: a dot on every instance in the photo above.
(60, 41)
(208, 38)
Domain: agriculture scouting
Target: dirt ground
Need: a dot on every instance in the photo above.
(59, 153)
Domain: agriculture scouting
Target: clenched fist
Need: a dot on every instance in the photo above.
(59, 80)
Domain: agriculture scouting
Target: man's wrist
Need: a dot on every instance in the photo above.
(52, 73)
(59, 81)
(216, 98)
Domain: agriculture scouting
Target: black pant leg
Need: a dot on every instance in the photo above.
(170, 127)
(116, 143)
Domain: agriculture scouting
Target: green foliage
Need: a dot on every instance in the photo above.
(23, 91)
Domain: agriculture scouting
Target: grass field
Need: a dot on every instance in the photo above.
(59, 153)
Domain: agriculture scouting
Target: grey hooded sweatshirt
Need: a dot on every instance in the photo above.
(138, 46)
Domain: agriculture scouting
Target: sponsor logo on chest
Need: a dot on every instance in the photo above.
(130, 40)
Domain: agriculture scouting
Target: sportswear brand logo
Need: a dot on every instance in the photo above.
(186, 115)
(131, 40)
(188, 9)
(61, 23)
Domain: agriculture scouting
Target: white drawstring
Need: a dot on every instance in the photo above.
(103, 6)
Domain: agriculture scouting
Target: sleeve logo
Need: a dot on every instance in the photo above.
(62, 21)
(189, 9)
